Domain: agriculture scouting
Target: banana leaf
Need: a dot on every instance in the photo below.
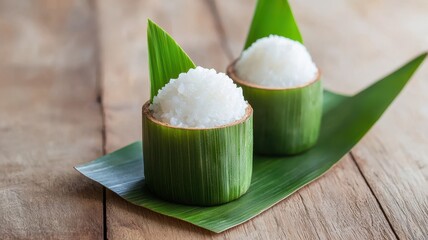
(345, 121)
(166, 58)
(273, 17)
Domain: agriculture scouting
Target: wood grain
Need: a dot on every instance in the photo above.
(49, 121)
(340, 205)
(393, 157)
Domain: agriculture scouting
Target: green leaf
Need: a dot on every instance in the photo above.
(166, 58)
(345, 121)
(273, 17)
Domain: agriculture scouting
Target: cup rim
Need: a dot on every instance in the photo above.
(231, 71)
(149, 115)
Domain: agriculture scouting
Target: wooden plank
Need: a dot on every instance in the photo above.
(340, 205)
(49, 121)
(371, 38)
(384, 35)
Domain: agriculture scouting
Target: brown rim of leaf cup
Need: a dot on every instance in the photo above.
(232, 74)
(149, 114)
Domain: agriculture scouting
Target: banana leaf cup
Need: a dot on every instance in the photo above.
(286, 120)
(195, 166)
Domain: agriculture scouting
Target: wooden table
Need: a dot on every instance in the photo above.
(74, 74)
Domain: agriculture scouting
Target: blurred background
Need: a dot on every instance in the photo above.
(353, 42)
(74, 75)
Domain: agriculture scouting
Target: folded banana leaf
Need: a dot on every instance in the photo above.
(345, 121)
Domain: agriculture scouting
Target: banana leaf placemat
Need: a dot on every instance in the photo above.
(345, 121)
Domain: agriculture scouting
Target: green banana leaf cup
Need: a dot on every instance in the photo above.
(193, 166)
(286, 120)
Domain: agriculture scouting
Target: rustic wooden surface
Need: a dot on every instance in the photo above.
(74, 75)
(49, 121)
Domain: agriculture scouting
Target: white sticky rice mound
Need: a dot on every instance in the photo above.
(200, 98)
(277, 62)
